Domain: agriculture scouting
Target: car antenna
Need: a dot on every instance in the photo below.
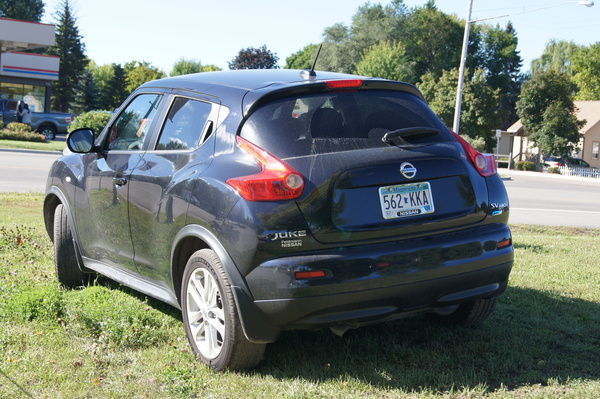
(308, 74)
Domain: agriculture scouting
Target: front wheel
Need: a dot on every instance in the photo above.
(68, 272)
(210, 316)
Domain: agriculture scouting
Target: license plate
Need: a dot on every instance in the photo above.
(406, 200)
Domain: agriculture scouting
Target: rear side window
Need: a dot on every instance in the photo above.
(341, 121)
(186, 123)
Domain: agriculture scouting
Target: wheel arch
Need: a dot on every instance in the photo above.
(256, 326)
(55, 197)
(193, 238)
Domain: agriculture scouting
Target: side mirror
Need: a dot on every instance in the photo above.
(81, 140)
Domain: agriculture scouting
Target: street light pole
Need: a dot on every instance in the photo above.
(463, 56)
(461, 70)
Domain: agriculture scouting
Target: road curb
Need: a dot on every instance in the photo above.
(31, 151)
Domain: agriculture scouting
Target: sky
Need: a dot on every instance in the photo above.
(213, 32)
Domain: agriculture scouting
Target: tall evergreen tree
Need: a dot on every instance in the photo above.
(69, 47)
(87, 94)
(499, 57)
(115, 89)
(25, 10)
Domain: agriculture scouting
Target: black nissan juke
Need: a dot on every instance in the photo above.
(260, 201)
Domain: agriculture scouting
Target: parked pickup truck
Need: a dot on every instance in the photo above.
(46, 123)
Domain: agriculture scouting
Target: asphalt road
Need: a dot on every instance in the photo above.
(535, 198)
(553, 200)
(25, 171)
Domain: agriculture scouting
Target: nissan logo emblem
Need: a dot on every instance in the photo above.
(408, 170)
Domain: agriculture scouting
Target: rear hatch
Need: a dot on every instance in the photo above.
(376, 164)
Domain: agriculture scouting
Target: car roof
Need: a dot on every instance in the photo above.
(250, 86)
(249, 79)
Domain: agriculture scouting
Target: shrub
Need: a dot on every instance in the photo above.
(554, 169)
(12, 132)
(95, 120)
(17, 127)
(525, 165)
(477, 143)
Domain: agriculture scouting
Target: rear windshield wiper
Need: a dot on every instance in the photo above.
(409, 133)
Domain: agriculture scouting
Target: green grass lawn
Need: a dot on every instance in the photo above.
(106, 341)
(28, 145)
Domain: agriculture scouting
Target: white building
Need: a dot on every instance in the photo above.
(25, 76)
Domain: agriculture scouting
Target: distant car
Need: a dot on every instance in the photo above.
(268, 200)
(579, 166)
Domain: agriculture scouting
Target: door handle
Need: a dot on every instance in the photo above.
(120, 181)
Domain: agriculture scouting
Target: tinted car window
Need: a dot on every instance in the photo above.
(129, 130)
(184, 125)
(340, 121)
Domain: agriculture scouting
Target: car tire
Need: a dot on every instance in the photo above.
(469, 314)
(211, 318)
(67, 268)
(48, 131)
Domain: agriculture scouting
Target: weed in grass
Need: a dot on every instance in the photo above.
(43, 303)
(184, 381)
(115, 319)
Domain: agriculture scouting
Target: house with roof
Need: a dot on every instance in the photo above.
(589, 145)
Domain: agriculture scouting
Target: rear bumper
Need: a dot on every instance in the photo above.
(379, 282)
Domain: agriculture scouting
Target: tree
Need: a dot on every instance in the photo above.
(102, 75)
(185, 66)
(71, 50)
(547, 111)
(140, 72)
(499, 57)
(302, 59)
(557, 56)
(344, 46)
(25, 10)
(87, 93)
(481, 113)
(586, 64)
(254, 58)
(433, 40)
(115, 91)
(386, 60)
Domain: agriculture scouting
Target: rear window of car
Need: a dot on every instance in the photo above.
(340, 121)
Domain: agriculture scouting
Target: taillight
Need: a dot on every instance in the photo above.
(309, 275)
(277, 180)
(68, 120)
(504, 243)
(484, 163)
(344, 84)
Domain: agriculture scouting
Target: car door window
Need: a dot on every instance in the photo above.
(186, 123)
(129, 130)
